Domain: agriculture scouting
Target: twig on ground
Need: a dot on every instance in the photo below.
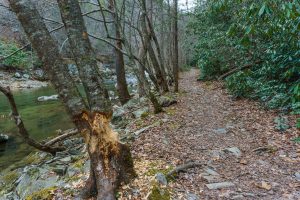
(183, 167)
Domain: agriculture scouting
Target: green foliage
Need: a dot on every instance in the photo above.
(298, 123)
(281, 123)
(158, 193)
(22, 59)
(297, 140)
(261, 34)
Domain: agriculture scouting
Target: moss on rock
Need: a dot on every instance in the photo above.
(10, 177)
(45, 194)
(159, 193)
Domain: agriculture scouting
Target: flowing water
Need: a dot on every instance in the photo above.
(42, 120)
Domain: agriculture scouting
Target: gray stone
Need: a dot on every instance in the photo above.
(166, 101)
(74, 151)
(73, 69)
(248, 194)
(135, 192)
(141, 112)
(118, 113)
(217, 154)
(17, 75)
(10, 196)
(48, 98)
(132, 103)
(60, 170)
(67, 159)
(87, 166)
(238, 197)
(26, 76)
(40, 75)
(220, 131)
(263, 163)
(71, 171)
(161, 178)
(3, 138)
(191, 196)
(234, 150)
(214, 186)
(131, 80)
(210, 178)
(211, 172)
(297, 176)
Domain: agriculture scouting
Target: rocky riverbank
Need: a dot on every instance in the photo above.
(21, 80)
(39, 175)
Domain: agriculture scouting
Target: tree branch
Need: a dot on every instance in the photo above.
(67, 134)
(26, 45)
(184, 167)
(239, 69)
(22, 130)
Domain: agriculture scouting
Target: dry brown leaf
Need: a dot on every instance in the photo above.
(243, 161)
(265, 185)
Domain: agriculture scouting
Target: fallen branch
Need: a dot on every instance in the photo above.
(13, 53)
(21, 127)
(26, 45)
(239, 69)
(183, 167)
(62, 137)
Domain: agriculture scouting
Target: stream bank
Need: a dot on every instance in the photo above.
(39, 174)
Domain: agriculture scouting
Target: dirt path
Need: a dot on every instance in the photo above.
(205, 122)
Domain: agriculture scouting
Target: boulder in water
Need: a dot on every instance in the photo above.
(48, 98)
(3, 138)
(17, 75)
(39, 74)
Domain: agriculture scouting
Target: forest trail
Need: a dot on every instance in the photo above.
(262, 163)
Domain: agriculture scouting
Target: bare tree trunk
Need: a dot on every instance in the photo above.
(160, 64)
(119, 60)
(176, 67)
(170, 49)
(108, 156)
(110, 160)
(48, 53)
(149, 33)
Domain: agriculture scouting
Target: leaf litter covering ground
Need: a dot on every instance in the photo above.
(203, 123)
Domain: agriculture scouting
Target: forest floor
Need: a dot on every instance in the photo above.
(236, 140)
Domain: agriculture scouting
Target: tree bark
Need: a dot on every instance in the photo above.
(119, 60)
(110, 159)
(148, 34)
(48, 53)
(176, 67)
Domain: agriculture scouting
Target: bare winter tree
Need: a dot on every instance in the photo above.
(110, 160)
(175, 29)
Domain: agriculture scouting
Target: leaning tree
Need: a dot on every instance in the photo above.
(111, 160)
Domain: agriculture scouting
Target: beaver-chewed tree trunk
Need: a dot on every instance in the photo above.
(111, 160)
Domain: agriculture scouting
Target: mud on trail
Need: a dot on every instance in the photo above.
(245, 157)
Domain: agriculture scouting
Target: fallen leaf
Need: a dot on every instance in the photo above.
(265, 185)
(243, 161)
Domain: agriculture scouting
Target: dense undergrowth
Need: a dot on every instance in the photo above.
(259, 37)
(22, 59)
